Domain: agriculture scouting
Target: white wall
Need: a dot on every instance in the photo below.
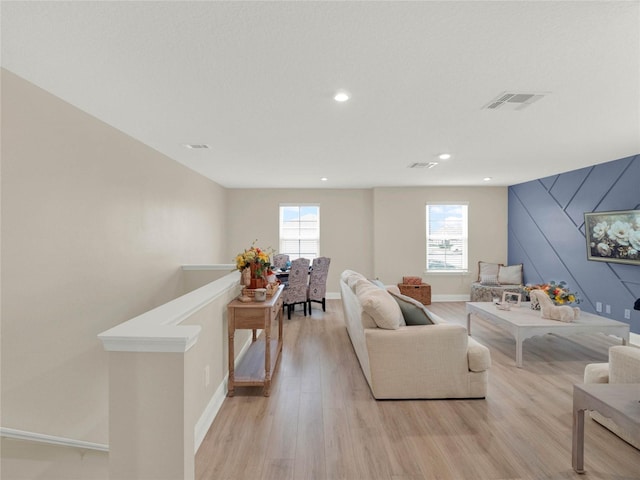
(95, 226)
(400, 231)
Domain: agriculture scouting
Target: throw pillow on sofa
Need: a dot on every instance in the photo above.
(412, 310)
(379, 304)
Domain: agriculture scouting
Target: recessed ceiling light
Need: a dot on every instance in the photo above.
(486, 179)
(341, 96)
(444, 156)
(324, 179)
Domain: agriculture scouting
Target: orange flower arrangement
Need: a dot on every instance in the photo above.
(556, 292)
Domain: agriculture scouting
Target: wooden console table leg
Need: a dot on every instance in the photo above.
(267, 357)
(231, 380)
(577, 450)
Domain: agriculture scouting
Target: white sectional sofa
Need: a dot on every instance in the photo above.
(403, 361)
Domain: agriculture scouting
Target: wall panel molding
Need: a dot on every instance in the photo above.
(546, 233)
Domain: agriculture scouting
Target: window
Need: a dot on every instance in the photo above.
(447, 238)
(300, 231)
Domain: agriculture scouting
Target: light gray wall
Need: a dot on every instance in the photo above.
(379, 232)
(345, 224)
(95, 226)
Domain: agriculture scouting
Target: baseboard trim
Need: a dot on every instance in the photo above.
(451, 298)
(51, 439)
(205, 421)
(208, 416)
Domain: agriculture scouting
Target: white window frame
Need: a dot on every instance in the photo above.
(301, 236)
(462, 240)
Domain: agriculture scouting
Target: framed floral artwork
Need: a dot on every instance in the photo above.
(613, 236)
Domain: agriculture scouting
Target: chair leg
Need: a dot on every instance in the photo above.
(288, 312)
(324, 309)
(304, 306)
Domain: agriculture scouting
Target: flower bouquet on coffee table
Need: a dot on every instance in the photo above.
(557, 292)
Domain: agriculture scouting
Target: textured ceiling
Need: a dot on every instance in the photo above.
(255, 81)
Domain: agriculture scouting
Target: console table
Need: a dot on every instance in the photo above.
(619, 402)
(262, 356)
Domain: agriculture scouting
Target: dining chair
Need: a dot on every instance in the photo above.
(296, 290)
(318, 282)
(280, 260)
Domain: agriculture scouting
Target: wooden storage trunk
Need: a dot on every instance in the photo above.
(421, 293)
(412, 280)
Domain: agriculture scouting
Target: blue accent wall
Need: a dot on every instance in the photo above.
(546, 233)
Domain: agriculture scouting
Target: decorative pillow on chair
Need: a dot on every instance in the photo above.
(486, 279)
(486, 268)
(412, 310)
(510, 275)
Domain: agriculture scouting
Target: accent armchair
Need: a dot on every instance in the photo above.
(623, 367)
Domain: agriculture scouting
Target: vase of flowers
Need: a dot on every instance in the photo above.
(254, 263)
(557, 292)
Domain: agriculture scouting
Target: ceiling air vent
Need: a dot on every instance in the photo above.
(423, 165)
(195, 145)
(513, 101)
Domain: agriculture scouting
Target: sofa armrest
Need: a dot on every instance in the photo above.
(624, 364)
(478, 356)
(596, 373)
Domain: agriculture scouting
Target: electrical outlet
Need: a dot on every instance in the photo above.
(607, 308)
(207, 376)
(627, 313)
(598, 306)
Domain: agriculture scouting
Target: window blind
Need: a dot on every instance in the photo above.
(300, 231)
(447, 237)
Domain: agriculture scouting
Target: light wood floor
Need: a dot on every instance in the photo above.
(321, 421)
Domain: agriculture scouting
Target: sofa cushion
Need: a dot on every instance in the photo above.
(624, 364)
(412, 311)
(487, 268)
(510, 275)
(380, 305)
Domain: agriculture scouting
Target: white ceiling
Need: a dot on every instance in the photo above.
(255, 81)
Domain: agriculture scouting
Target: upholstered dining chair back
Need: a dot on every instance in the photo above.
(280, 260)
(296, 291)
(318, 281)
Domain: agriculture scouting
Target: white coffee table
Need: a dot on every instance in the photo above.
(523, 322)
